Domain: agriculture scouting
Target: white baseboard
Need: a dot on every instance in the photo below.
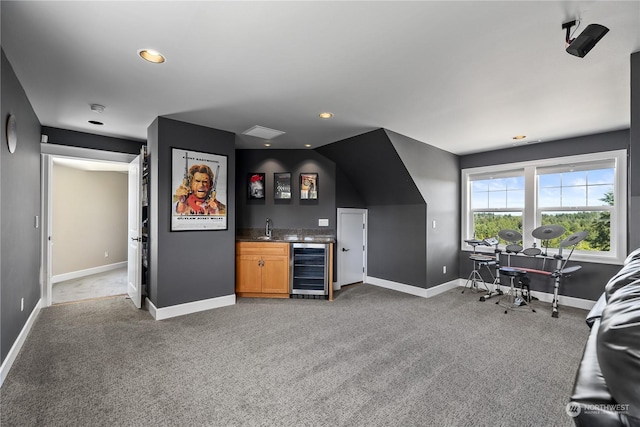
(433, 291)
(189, 307)
(574, 302)
(17, 345)
(413, 290)
(87, 272)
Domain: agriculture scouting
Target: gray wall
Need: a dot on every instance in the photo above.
(20, 203)
(608, 141)
(436, 173)
(590, 281)
(396, 246)
(286, 214)
(371, 163)
(397, 213)
(634, 155)
(187, 266)
(87, 140)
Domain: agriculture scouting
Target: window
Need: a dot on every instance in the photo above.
(497, 203)
(583, 194)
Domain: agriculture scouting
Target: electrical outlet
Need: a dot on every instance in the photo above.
(323, 222)
(21, 304)
(433, 224)
(444, 269)
(106, 254)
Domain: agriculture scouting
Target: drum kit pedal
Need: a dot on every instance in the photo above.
(512, 300)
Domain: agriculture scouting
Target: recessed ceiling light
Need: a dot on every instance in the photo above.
(95, 122)
(151, 56)
(307, 145)
(325, 115)
(267, 145)
(519, 137)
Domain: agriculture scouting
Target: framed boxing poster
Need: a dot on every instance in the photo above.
(199, 186)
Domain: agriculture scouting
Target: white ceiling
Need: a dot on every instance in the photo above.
(462, 76)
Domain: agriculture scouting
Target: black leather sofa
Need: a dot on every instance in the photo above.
(606, 391)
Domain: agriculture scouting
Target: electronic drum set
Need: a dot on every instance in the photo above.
(519, 275)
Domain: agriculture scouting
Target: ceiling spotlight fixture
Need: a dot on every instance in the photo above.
(582, 44)
(97, 108)
(95, 122)
(151, 55)
(325, 115)
(518, 137)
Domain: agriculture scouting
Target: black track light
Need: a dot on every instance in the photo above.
(582, 44)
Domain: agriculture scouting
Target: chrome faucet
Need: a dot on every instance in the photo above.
(267, 228)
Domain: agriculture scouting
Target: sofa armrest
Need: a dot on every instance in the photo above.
(590, 386)
(596, 311)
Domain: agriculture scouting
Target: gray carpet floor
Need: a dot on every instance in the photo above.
(373, 357)
(109, 283)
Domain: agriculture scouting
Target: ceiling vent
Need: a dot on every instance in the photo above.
(262, 132)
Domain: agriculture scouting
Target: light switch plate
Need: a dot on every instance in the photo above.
(323, 222)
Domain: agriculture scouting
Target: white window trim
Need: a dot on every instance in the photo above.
(530, 216)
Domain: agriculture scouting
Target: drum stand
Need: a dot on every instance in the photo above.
(496, 279)
(558, 273)
(475, 276)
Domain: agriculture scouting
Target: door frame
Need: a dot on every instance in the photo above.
(48, 152)
(339, 254)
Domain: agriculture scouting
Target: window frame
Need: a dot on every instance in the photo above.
(531, 214)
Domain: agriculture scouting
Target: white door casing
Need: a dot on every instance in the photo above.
(351, 245)
(50, 152)
(134, 261)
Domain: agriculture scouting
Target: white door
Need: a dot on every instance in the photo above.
(352, 245)
(134, 264)
(46, 167)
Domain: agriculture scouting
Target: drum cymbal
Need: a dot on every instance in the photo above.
(574, 239)
(547, 232)
(510, 235)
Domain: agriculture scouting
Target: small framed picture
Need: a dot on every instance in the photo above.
(255, 185)
(282, 185)
(308, 186)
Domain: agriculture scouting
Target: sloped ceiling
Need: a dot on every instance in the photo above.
(374, 168)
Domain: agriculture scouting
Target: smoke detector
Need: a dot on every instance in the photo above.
(97, 108)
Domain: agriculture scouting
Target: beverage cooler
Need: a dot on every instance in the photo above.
(309, 269)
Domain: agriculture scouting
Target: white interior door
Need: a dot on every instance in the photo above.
(352, 245)
(134, 264)
(46, 167)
